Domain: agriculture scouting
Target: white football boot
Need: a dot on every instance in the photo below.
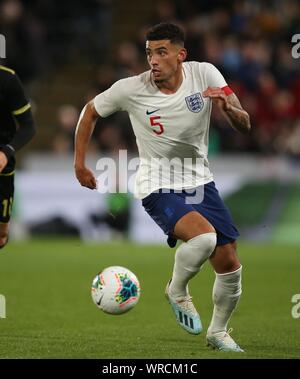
(223, 342)
(185, 312)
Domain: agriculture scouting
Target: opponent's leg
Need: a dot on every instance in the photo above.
(199, 242)
(3, 234)
(6, 200)
(226, 294)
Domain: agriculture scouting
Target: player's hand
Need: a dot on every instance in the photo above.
(218, 97)
(86, 177)
(3, 161)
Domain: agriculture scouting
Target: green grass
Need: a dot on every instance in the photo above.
(287, 229)
(50, 313)
(250, 203)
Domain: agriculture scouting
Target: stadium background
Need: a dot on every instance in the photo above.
(66, 52)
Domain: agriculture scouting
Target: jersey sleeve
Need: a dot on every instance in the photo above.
(18, 105)
(213, 77)
(17, 101)
(111, 100)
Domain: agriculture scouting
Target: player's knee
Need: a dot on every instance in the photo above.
(206, 242)
(3, 239)
(194, 253)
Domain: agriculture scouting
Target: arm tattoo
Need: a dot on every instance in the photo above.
(236, 115)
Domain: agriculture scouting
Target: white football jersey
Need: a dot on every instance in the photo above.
(171, 130)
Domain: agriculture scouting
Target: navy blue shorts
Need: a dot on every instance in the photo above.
(167, 208)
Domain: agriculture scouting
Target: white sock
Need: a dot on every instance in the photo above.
(226, 293)
(189, 258)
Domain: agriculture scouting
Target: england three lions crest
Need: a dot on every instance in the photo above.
(194, 102)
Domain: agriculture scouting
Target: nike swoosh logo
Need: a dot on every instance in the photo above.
(147, 112)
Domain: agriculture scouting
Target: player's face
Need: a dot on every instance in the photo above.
(164, 59)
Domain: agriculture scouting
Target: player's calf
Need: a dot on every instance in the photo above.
(189, 258)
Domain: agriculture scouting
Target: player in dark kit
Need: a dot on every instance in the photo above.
(16, 130)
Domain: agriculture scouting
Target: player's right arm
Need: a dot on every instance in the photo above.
(84, 130)
(103, 105)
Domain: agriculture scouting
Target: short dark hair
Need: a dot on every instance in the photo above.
(168, 31)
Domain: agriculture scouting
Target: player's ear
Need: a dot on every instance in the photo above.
(182, 53)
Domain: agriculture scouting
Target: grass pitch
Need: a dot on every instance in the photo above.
(50, 314)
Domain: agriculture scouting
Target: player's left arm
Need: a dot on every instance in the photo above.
(231, 107)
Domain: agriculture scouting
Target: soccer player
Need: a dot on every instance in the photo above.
(16, 130)
(169, 107)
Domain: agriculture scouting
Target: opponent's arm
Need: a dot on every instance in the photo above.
(3, 160)
(231, 107)
(20, 109)
(25, 132)
(84, 130)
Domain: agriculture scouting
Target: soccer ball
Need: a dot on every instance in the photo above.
(115, 290)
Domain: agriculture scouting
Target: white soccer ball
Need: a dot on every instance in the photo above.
(115, 290)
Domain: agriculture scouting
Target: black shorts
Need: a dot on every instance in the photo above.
(7, 191)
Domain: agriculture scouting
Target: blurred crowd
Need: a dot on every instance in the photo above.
(248, 40)
(41, 34)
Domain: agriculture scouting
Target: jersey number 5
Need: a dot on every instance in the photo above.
(153, 121)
